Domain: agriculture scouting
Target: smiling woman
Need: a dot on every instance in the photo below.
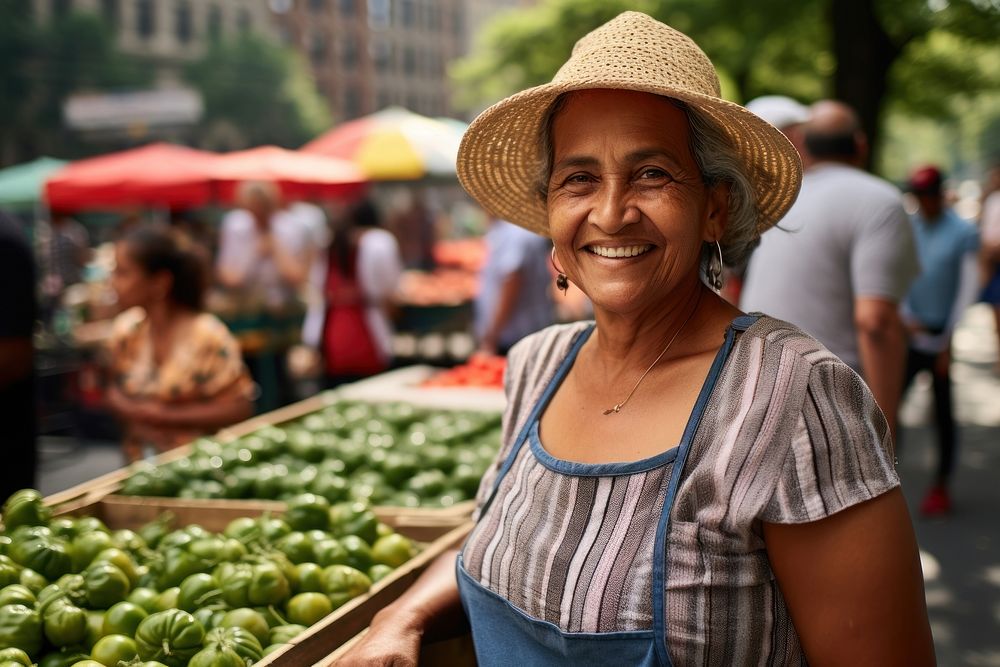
(680, 483)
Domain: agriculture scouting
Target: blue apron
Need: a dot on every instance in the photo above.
(505, 635)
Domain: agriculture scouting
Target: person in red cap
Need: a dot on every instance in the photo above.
(947, 246)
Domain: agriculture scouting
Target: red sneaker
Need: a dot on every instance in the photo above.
(937, 502)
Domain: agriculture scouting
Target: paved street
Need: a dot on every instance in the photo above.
(961, 554)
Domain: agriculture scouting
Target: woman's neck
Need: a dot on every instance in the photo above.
(164, 315)
(625, 344)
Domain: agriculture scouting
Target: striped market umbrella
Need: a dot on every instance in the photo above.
(395, 144)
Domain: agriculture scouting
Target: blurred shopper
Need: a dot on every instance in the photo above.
(265, 255)
(176, 371)
(842, 259)
(789, 116)
(990, 253)
(64, 252)
(413, 225)
(946, 286)
(515, 287)
(364, 267)
(17, 388)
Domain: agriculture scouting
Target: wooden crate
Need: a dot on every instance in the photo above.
(316, 643)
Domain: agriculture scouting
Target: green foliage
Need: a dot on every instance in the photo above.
(262, 90)
(948, 53)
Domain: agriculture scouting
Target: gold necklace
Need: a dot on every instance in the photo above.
(618, 407)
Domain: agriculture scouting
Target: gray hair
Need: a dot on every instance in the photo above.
(717, 160)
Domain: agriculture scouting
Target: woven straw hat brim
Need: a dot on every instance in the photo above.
(500, 165)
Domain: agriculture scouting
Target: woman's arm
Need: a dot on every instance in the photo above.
(430, 609)
(227, 408)
(853, 585)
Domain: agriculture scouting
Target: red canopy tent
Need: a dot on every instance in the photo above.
(299, 174)
(160, 175)
(174, 177)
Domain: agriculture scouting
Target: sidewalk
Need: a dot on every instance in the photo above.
(961, 553)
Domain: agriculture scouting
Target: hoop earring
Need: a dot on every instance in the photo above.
(562, 282)
(714, 270)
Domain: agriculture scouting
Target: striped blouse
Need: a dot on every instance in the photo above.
(789, 434)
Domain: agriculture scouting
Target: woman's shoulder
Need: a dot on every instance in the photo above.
(552, 341)
(128, 322)
(206, 327)
(778, 338)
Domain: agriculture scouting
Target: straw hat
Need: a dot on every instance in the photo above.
(499, 162)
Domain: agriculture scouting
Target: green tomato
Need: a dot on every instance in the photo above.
(9, 573)
(95, 628)
(64, 624)
(239, 639)
(128, 541)
(167, 599)
(353, 519)
(179, 564)
(172, 637)
(308, 578)
(25, 508)
(49, 556)
(208, 617)
(274, 648)
(32, 580)
(307, 608)
(272, 528)
(111, 649)
(106, 585)
(63, 527)
(392, 550)
(145, 598)
(268, 585)
(248, 619)
(245, 529)
(284, 634)
(359, 554)
(308, 511)
(15, 656)
(342, 583)
(331, 551)
(90, 524)
(330, 486)
(217, 656)
(123, 619)
(197, 591)
(297, 546)
(17, 594)
(62, 658)
(86, 546)
(20, 627)
(120, 559)
(378, 571)
(89, 662)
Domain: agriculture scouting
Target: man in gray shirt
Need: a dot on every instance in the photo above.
(843, 257)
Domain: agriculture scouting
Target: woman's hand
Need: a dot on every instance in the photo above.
(388, 643)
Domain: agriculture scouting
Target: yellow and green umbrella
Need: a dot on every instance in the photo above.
(395, 144)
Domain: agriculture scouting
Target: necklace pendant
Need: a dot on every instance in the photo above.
(614, 410)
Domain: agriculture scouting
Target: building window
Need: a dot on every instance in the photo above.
(111, 12)
(382, 55)
(347, 7)
(409, 60)
(458, 21)
(383, 99)
(349, 51)
(317, 5)
(352, 103)
(407, 12)
(244, 22)
(214, 27)
(145, 18)
(182, 21)
(379, 13)
(318, 48)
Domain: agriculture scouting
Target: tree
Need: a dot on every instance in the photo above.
(869, 53)
(256, 93)
(40, 66)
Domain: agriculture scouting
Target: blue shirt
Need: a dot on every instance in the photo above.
(942, 246)
(511, 249)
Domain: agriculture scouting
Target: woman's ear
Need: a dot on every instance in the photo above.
(716, 213)
(161, 283)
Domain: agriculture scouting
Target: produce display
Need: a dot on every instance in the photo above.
(480, 371)
(392, 454)
(73, 592)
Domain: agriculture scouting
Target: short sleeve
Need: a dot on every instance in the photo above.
(971, 241)
(884, 259)
(123, 342)
(840, 453)
(218, 365)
